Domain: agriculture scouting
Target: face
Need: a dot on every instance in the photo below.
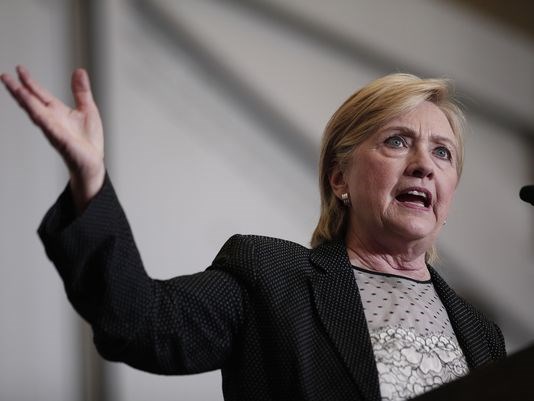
(401, 180)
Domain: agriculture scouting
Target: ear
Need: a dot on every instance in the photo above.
(337, 182)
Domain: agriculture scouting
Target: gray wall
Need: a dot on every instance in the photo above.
(38, 334)
(213, 124)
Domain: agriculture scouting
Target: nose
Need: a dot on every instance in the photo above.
(420, 164)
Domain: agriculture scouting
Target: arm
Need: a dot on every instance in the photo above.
(184, 325)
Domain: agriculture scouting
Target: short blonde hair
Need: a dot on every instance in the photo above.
(360, 116)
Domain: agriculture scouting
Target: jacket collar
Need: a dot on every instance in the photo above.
(339, 307)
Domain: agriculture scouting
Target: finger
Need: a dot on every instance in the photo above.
(9, 83)
(39, 114)
(13, 87)
(81, 89)
(33, 106)
(31, 85)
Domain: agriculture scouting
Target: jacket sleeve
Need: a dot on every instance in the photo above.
(187, 324)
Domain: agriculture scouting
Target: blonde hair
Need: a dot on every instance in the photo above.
(360, 116)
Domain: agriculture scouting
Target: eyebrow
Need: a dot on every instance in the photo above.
(435, 137)
(443, 139)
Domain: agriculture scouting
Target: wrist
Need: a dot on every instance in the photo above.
(84, 189)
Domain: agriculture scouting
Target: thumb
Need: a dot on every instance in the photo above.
(81, 88)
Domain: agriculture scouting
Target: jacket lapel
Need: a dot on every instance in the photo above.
(466, 323)
(338, 303)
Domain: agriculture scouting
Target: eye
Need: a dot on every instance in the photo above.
(443, 153)
(396, 141)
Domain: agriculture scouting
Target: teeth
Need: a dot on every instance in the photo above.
(417, 193)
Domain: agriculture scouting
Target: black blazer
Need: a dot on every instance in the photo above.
(280, 320)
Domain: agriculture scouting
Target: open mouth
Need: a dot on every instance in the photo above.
(415, 195)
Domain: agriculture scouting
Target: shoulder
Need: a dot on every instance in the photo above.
(259, 244)
(249, 254)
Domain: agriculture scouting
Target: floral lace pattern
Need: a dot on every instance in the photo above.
(410, 364)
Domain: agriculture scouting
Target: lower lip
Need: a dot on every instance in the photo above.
(413, 205)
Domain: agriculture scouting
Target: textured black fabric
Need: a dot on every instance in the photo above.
(282, 322)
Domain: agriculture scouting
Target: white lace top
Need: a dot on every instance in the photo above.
(413, 341)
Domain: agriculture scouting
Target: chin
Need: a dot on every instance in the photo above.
(414, 230)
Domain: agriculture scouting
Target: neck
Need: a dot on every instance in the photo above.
(410, 262)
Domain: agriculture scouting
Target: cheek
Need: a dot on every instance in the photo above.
(373, 188)
(372, 178)
(383, 177)
(446, 195)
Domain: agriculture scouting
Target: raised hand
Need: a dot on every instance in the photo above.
(77, 134)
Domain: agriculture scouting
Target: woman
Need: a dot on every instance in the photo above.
(360, 316)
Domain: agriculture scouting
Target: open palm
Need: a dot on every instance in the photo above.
(77, 134)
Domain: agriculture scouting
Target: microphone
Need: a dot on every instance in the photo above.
(527, 194)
